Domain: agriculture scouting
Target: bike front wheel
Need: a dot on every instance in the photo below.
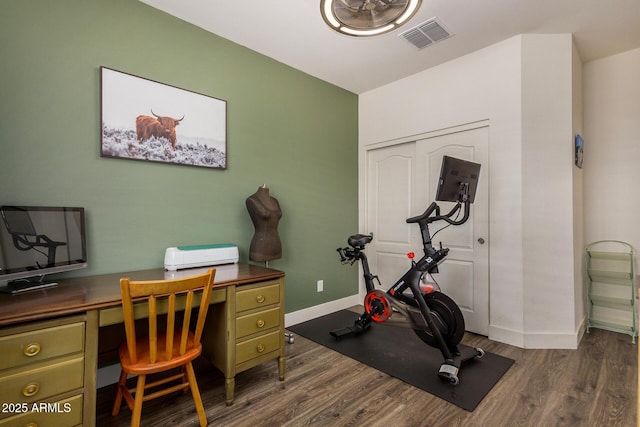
(448, 318)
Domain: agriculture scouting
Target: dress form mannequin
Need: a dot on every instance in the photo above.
(265, 214)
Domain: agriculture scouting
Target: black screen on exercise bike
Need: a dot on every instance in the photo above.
(454, 174)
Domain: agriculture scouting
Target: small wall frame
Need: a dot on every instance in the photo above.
(579, 150)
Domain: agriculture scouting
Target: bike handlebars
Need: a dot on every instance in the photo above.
(433, 208)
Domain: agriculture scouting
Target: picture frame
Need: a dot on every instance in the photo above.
(142, 119)
(579, 150)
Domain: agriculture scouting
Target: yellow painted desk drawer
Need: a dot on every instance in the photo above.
(257, 297)
(113, 315)
(33, 346)
(256, 347)
(257, 322)
(65, 413)
(43, 382)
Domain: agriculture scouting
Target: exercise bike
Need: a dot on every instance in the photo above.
(435, 318)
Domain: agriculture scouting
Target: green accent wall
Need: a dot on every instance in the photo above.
(286, 129)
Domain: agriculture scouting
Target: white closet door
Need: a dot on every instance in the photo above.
(401, 183)
(390, 175)
(464, 275)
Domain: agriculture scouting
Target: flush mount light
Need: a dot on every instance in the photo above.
(367, 17)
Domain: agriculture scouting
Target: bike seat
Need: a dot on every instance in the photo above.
(359, 240)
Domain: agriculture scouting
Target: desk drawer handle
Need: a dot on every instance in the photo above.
(260, 323)
(260, 348)
(32, 349)
(30, 389)
(31, 424)
(260, 298)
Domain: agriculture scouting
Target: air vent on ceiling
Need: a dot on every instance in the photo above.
(426, 33)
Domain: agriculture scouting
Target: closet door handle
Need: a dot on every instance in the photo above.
(481, 241)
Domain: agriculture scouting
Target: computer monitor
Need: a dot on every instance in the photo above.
(38, 241)
(458, 180)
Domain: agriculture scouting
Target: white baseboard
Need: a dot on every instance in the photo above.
(546, 340)
(305, 314)
(506, 336)
(539, 340)
(582, 329)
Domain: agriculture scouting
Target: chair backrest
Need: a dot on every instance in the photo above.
(158, 292)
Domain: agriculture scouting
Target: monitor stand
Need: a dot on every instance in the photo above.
(24, 285)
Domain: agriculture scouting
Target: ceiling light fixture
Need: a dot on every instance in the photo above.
(367, 17)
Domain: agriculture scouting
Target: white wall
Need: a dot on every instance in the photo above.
(482, 85)
(523, 86)
(547, 192)
(611, 88)
(580, 299)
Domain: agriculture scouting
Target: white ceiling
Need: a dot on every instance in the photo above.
(294, 33)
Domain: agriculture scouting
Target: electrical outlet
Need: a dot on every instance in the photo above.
(320, 285)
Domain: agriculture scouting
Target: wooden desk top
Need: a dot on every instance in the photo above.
(82, 294)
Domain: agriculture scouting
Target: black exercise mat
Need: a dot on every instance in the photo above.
(398, 352)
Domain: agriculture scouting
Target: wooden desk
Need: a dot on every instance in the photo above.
(49, 337)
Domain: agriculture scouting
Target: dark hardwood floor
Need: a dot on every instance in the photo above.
(595, 385)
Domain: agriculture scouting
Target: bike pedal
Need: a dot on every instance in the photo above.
(339, 333)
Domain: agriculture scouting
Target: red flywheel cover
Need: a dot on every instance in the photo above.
(374, 299)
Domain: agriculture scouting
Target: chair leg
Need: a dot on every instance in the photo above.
(137, 405)
(196, 395)
(185, 380)
(121, 383)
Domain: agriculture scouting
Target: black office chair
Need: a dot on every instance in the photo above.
(25, 236)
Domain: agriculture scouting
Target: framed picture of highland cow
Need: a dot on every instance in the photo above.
(142, 119)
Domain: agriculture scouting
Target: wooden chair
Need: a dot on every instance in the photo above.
(162, 351)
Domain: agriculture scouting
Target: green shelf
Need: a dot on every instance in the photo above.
(625, 304)
(611, 263)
